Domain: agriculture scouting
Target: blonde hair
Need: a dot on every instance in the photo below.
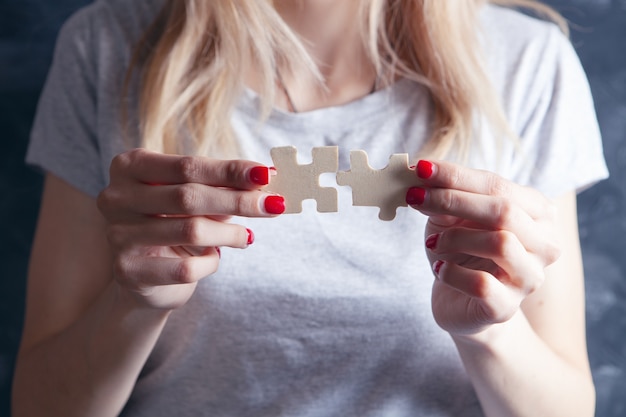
(195, 55)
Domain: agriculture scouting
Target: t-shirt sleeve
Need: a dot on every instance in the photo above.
(561, 141)
(64, 138)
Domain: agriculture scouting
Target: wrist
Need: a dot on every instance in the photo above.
(130, 301)
(493, 335)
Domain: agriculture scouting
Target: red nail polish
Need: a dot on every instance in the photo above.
(431, 241)
(424, 169)
(260, 175)
(274, 204)
(437, 267)
(415, 196)
(250, 236)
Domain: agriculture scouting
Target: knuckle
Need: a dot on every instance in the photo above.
(188, 168)
(495, 310)
(243, 205)
(103, 200)
(184, 272)
(533, 284)
(446, 201)
(506, 213)
(123, 270)
(111, 203)
(232, 172)
(455, 176)
(481, 287)
(108, 200)
(497, 186)
(187, 198)
(211, 268)
(504, 243)
(125, 160)
(121, 161)
(499, 314)
(552, 253)
(191, 231)
(135, 154)
(536, 284)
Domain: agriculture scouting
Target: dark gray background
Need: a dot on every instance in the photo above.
(27, 33)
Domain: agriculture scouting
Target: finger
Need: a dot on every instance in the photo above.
(179, 231)
(145, 272)
(190, 200)
(515, 266)
(492, 213)
(442, 174)
(496, 301)
(158, 169)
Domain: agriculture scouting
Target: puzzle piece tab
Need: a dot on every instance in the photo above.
(385, 188)
(301, 182)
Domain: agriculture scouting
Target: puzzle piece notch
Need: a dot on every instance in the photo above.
(298, 182)
(383, 188)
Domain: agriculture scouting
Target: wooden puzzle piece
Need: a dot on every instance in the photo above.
(301, 182)
(385, 188)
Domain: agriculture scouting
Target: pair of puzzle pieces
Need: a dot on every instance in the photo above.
(385, 188)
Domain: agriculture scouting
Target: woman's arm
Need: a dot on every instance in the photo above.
(84, 343)
(104, 275)
(508, 289)
(536, 364)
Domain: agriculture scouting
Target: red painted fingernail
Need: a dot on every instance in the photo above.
(425, 169)
(415, 196)
(260, 175)
(431, 241)
(250, 236)
(437, 267)
(274, 204)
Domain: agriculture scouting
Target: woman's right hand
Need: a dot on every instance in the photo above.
(167, 215)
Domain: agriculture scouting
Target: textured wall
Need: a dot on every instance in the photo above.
(27, 32)
(599, 35)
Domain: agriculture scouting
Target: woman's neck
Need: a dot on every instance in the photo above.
(328, 26)
(330, 30)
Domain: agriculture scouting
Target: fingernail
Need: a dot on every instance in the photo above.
(274, 204)
(431, 241)
(425, 169)
(260, 175)
(250, 236)
(437, 267)
(273, 171)
(415, 196)
(219, 252)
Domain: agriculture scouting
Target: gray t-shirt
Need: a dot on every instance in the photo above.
(326, 314)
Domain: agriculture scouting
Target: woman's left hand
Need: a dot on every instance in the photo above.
(489, 241)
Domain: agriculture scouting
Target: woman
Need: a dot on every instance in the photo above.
(134, 310)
